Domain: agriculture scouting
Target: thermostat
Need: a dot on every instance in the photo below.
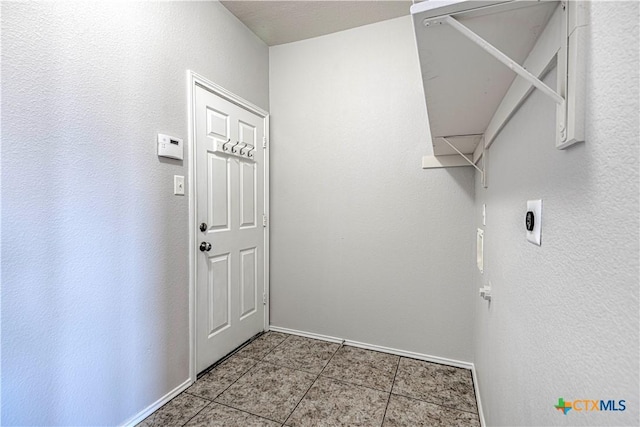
(169, 146)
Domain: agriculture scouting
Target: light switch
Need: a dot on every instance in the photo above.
(533, 221)
(178, 185)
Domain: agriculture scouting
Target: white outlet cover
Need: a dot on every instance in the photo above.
(535, 235)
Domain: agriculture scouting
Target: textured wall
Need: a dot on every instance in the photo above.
(563, 321)
(94, 244)
(365, 245)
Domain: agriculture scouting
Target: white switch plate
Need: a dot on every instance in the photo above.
(178, 185)
(534, 236)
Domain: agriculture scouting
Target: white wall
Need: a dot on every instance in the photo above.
(365, 245)
(94, 247)
(563, 321)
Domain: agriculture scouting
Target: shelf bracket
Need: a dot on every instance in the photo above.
(496, 53)
(466, 159)
(463, 156)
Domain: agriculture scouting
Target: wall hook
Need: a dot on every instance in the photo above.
(233, 149)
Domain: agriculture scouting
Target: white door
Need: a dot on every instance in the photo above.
(229, 213)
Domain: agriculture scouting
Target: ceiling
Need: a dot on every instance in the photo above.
(278, 22)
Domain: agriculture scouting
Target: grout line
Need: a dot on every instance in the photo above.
(331, 358)
(195, 395)
(230, 385)
(237, 379)
(301, 399)
(438, 404)
(340, 380)
(255, 362)
(196, 414)
(228, 356)
(252, 367)
(356, 385)
(247, 412)
(269, 362)
(363, 385)
(274, 347)
(277, 363)
(314, 381)
(395, 374)
(154, 413)
(218, 395)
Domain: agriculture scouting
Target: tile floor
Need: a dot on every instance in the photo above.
(287, 380)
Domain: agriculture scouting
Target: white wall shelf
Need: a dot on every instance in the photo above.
(481, 59)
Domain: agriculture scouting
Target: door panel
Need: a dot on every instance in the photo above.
(247, 133)
(248, 195)
(248, 282)
(218, 192)
(217, 123)
(229, 198)
(218, 286)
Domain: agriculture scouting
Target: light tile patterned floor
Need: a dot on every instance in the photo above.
(287, 380)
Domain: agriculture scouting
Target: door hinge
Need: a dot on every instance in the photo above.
(264, 299)
(264, 220)
(264, 142)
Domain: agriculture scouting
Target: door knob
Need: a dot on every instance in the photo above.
(203, 227)
(205, 247)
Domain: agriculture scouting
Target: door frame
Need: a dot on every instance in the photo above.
(193, 81)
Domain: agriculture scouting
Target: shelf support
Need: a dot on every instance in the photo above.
(471, 163)
(462, 155)
(496, 53)
(455, 160)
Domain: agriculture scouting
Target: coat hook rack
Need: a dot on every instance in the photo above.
(241, 150)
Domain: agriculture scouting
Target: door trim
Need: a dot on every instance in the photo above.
(195, 80)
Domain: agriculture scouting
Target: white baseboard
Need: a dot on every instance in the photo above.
(305, 334)
(411, 354)
(157, 404)
(476, 388)
(397, 352)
